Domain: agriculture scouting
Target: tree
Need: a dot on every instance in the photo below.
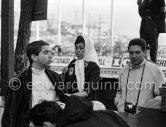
(24, 33)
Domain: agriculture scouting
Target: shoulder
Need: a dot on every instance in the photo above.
(155, 70)
(89, 64)
(152, 66)
(24, 74)
(72, 62)
(52, 73)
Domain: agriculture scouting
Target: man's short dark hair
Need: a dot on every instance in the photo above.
(44, 111)
(34, 48)
(79, 39)
(138, 41)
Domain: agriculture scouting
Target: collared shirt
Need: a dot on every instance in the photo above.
(42, 87)
(152, 79)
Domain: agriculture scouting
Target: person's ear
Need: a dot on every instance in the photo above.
(34, 57)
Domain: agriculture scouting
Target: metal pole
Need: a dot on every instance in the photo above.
(89, 26)
(37, 30)
(99, 29)
(76, 25)
(7, 44)
(112, 23)
(59, 22)
(83, 19)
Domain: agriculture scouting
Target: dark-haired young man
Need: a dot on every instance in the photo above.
(139, 80)
(31, 86)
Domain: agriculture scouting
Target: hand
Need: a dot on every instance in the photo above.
(97, 105)
(67, 94)
(82, 94)
(155, 103)
(61, 104)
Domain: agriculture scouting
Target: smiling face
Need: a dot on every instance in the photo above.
(79, 50)
(136, 55)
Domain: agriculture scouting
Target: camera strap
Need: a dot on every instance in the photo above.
(139, 85)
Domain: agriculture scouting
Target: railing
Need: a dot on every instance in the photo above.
(106, 51)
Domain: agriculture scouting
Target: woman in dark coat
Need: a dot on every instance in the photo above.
(83, 74)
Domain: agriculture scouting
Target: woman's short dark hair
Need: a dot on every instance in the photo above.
(79, 39)
(138, 41)
(44, 111)
(34, 48)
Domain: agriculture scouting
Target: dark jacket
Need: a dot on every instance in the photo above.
(79, 113)
(153, 9)
(92, 79)
(155, 12)
(18, 101)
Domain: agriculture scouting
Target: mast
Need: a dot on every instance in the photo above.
(76, 24)
(83, 18)
(37, 30)
(112, 23)
(59, 22)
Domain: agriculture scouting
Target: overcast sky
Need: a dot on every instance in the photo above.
(127, 20)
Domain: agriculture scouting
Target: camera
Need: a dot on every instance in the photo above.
(129, 107)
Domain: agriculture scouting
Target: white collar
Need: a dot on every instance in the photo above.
(134, 67)
(38, 72)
